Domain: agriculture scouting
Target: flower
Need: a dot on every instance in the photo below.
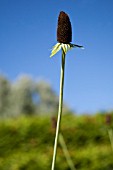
(64, 35)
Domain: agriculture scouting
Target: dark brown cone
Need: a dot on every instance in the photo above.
(64, 30)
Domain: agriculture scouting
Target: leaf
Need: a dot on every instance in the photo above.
(56, 48)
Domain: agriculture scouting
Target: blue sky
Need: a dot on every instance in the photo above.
(28, 32)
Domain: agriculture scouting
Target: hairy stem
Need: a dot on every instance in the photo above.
(59, 110)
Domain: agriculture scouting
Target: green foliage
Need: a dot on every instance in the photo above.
(4, 95)
(26, 143)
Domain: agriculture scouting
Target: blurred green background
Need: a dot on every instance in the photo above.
(27, 133)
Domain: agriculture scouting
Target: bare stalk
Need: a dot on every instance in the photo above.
(60, 109)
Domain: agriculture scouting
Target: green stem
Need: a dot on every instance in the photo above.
(59, 110)
(66, 153)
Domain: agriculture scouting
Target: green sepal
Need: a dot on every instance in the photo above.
(55, 49)
(65, 48)
(75, 45)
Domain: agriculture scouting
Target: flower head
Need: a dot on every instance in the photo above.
(64, 30)
(64, 35)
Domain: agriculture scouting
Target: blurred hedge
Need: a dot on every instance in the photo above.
(26, 143)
